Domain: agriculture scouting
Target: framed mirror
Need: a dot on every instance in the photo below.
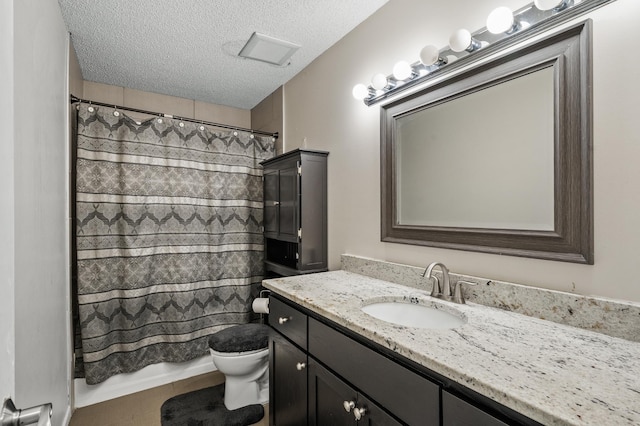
(497, 159)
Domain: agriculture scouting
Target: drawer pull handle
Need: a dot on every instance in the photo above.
(282, 320)
(358, 413)
(348, 406)
(300, 366)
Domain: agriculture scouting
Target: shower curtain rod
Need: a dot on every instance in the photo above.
(75, 99)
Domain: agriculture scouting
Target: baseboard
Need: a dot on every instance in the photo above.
(67, 416)
(147, 378)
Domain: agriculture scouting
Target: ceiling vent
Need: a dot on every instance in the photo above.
(268, 49)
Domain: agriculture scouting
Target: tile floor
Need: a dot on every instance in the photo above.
(143, 408)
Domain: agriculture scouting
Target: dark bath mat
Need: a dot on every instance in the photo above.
(205, 407)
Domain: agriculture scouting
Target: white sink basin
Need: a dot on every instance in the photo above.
(413, 315)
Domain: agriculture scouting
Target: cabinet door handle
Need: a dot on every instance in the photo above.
(348, 406)
(301, 366)
(276, 203)
(358, 413)
(283, 320)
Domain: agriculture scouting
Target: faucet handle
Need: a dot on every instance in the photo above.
(436, 290)
(457, 292)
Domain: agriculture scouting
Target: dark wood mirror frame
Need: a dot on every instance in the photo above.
(569, 53)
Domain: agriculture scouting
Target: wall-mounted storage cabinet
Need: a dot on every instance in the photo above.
(295, 212)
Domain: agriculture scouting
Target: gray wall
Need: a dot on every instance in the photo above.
(319, 108)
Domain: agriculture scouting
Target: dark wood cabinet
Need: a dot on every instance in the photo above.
(295, 212)
(327, 395)
(318, 376)
(280, 202)
(416, 401)
(333, 402)
(457, 412)
(287, 365)
(287, 382)
(321, 374)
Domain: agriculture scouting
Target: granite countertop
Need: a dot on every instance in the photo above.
(552, 373)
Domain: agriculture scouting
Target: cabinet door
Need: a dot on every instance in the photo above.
(271, 202)
(410, 397)
(456, 412)
(313, 213)
(327, 398)
(287, 382)
(333, 402)
(374, 415)
(288, 208)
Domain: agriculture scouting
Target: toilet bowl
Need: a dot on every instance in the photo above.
(241, 353)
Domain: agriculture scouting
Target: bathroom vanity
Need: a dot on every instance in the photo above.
(309, 356)
(331, 363)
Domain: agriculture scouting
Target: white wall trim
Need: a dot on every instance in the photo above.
(67, 417)
(67, 245)
(147, 378)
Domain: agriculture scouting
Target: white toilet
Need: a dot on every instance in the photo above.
(241, 353)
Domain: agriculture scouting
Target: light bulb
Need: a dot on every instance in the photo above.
(461, 40)
(500, 20)
(430, 55)
(402, 70)
(550, 4)
(379, 81)
(360, 91)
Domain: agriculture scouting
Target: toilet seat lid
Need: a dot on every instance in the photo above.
(240, 338)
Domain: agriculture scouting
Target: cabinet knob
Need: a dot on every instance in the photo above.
(359, 412)
(348, 405)
(282, 320)
(301, 366)
(276, 203)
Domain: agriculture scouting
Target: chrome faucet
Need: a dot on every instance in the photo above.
(445, 291)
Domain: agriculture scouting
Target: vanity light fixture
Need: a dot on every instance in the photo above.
(430, 56)
(462, 40)
(379, 81)
(501, 20)
(505, 28)
(556, 5)
(402, 71)
(360, 92)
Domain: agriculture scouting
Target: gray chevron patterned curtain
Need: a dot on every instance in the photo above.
(168, 237)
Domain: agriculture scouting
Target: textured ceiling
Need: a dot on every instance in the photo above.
(188, 48)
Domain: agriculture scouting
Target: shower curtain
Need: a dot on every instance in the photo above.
(168, 237)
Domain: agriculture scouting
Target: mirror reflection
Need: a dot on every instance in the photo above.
(498, 158)
(481, 160)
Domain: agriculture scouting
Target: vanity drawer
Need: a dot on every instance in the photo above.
(456, 412)
(412, 398)
(290, 322)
